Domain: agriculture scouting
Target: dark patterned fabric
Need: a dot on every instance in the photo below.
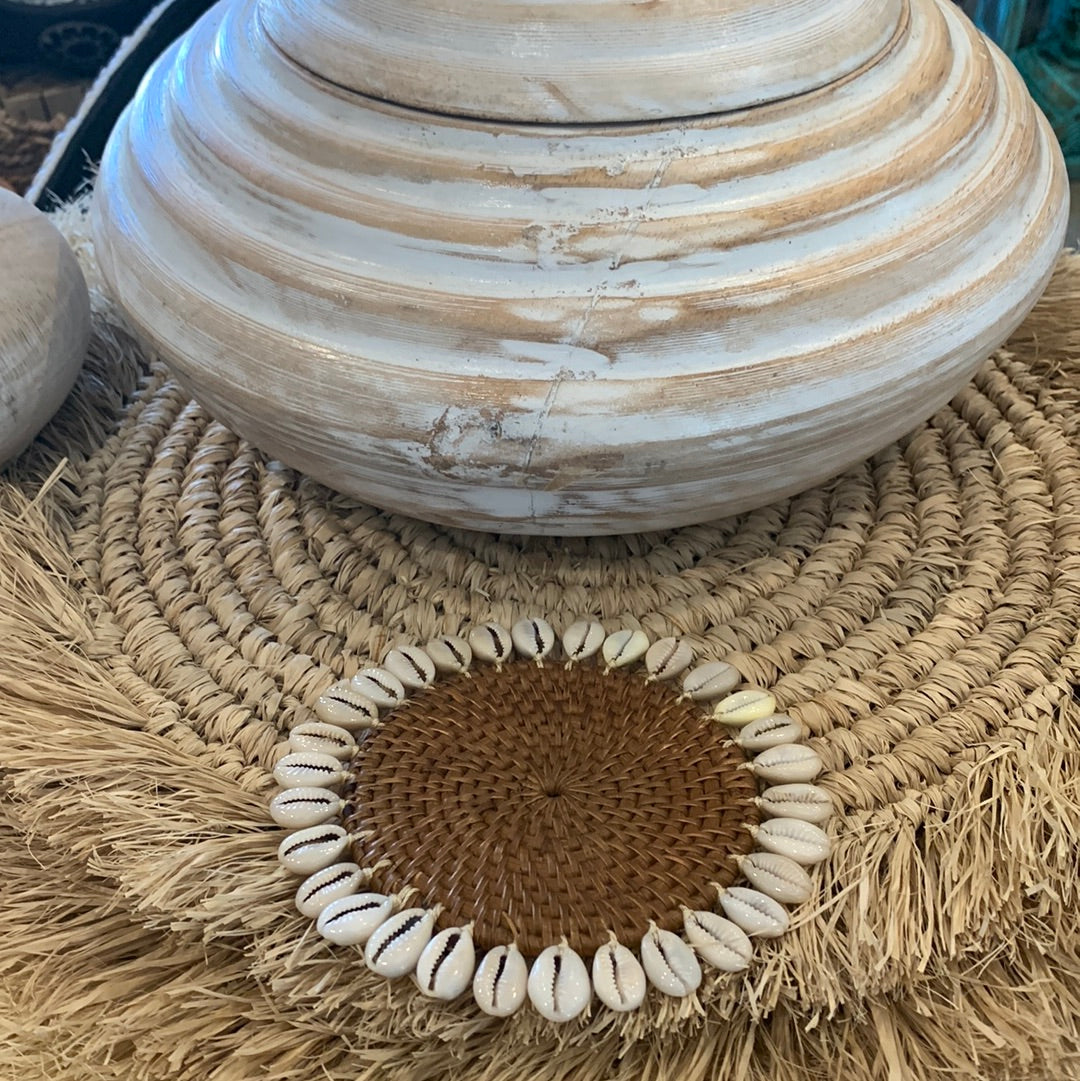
(77, 150)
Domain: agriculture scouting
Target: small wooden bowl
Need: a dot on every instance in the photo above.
(44, 322)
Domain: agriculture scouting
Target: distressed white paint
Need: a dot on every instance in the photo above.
(578, 329)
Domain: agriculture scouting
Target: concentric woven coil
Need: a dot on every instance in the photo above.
(542, 802)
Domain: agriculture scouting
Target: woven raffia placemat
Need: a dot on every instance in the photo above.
(171, 602)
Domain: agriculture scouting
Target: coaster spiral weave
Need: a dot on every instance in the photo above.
(539, 803)
(173, 603)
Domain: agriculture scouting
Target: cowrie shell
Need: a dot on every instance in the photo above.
(800, 841)
(500, 983)
(558, 984)
(491, 642)
(445, 968)
(411, 666)
(718, 941)
(624, 647)
(582, 640)
(786, 764)
(343, 705)
(742, 707)
(312, 849)
(308, 769)
(754, 912)
(324, 739)
(449, 654)
(351, 921)
(618, 978)
(533, 638)
(381, 686)
(669, 963)
(777, 877)
(668, 658)
(297, 808)
(395, 947)
(710, 680)
(319, 889)
(805, 801)
(771, 731)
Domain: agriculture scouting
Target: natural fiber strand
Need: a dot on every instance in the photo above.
(171, 604)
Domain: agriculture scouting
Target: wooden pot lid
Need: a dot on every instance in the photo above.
(582, 61)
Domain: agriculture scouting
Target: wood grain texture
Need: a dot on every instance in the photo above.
(582, 61)
(44, 322)
(578, 329)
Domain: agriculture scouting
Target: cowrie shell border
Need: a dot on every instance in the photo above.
(734, 706)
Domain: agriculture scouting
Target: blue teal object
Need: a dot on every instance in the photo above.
(1004, 20)
(1043, 39)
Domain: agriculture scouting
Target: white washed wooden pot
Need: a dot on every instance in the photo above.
(44, 322)
(577, 326)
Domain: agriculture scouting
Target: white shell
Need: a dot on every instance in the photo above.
(710, 680)
(800, 841)
(558, 984)
(501, 981)
(449, 654)
(754, 912)
(445, 968)
(323, 738)
(742, 707)
(331, 883)
(381, 686)
(308, 769)
(395, 947)
(44, 322)
(618, 978)
(669, 963)
(777, 877)
(624, 647)
(718, 941)
(787, 764)
(351, 921)
(491, 642)
(298, 808)
(312, 849)
(805, 801)
(771, 731)
(345, 707)
(582, 640)
(599, 328)
(668, 658)
(412, 667)
(533, 638)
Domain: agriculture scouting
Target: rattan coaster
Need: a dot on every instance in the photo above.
(174, 606)
(593, 805)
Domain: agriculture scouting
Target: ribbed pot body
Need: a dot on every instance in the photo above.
(587, 328)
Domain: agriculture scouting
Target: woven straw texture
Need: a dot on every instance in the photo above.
(171, 603)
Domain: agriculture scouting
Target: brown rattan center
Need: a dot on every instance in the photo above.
(539, 803)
